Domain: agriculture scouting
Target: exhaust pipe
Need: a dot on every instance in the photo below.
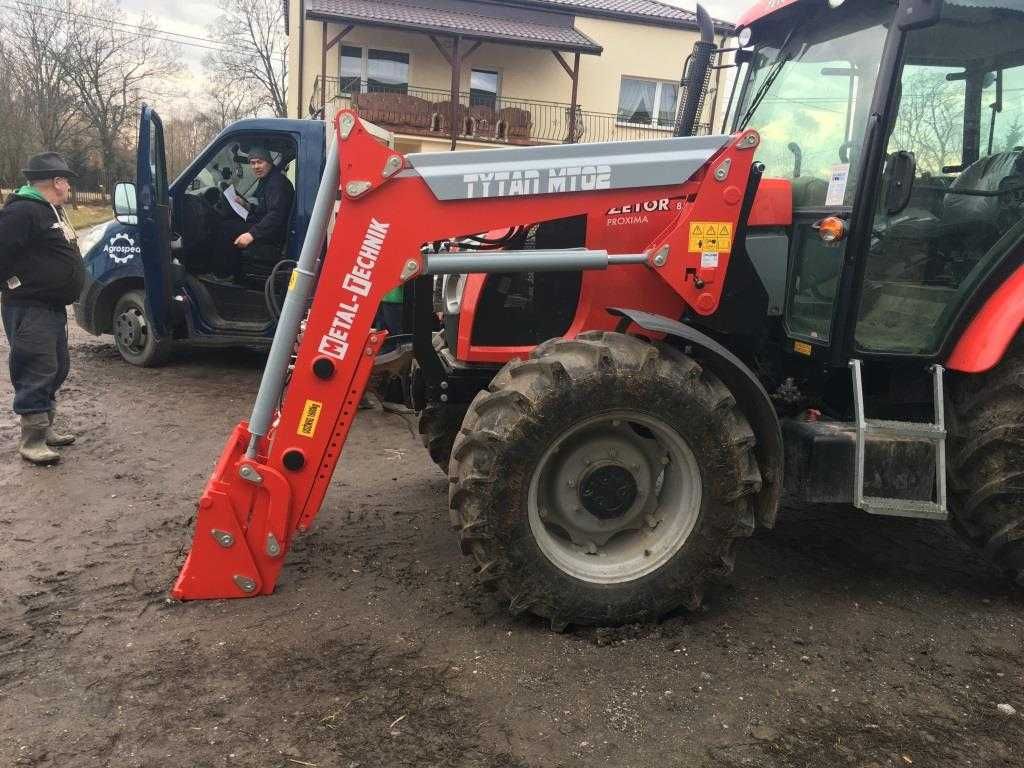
(696, 76)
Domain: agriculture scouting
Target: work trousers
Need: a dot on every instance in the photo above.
(39, 360)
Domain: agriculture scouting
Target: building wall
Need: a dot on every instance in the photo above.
(526, 73)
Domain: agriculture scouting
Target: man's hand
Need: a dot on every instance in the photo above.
(244, 240)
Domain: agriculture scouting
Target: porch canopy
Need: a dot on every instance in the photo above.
(457, 28)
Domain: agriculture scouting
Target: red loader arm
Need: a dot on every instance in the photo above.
(257, 499)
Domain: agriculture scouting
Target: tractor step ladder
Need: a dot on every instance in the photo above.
(935, 432)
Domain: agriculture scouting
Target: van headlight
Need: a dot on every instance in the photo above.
(92, 236)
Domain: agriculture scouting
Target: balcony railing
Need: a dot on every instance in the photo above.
(501, 120)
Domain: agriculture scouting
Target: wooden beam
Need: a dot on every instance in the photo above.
(472, 48)
(575, 75)
(337, 38)
(561, 61)
(440, 47)
(456, 62)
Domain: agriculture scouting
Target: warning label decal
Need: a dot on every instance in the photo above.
(714, 236)
(310, 416)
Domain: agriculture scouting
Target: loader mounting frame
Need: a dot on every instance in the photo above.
(269, 482)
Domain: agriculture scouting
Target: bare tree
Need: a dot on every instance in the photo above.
(255, 51)
(15, 134)
(229, 103)
(185, 136)
(39, 40)
(930, 121)
(109, 67)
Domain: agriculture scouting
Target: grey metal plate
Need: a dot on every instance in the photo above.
(515, 172)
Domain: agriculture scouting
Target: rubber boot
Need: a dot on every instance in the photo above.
(33, 439)
(54, 437)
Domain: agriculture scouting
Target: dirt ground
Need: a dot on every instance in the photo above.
(840, 640)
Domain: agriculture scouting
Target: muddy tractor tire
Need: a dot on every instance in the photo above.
(438, 426)
(603, 481)
(132, 333)
(986, 460)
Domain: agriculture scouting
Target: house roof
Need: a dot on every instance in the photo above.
(483, 22)
(631, 10)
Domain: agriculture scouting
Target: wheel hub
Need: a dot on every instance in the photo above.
(130, 329)
(608, 491)
(614, 497)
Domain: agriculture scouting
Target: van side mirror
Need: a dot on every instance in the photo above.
(900, 169)
(125, 207)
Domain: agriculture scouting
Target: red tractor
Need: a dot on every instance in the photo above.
(645, 346)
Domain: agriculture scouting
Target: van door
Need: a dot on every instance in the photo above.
(154, 221)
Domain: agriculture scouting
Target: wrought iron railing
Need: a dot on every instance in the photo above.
(475, 117)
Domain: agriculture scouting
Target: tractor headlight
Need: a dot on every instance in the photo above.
(451, 293)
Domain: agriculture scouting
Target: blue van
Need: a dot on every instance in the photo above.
(148, 270)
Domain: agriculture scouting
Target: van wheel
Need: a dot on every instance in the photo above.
(133, 335)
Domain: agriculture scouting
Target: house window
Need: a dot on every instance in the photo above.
(351, 69)
(648, 102)
(362, 70)
(387, 71)
(483, 88)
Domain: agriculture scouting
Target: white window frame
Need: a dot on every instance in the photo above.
(653, 125)
(364, 55)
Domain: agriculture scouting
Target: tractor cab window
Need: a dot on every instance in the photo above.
(958, 131)
(808, 93)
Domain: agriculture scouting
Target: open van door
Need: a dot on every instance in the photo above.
(154, 212)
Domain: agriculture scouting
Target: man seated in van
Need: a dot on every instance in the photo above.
(266, 226)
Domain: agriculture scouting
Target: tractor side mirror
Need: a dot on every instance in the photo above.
(124, 203)
(900, 169)
(917, 14)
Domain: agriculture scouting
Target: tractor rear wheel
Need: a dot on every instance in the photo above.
(986, 463)
(603, 480)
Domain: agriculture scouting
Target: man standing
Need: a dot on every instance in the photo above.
(41, 272)
(265, 230)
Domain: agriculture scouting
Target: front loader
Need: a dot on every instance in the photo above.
(637, 338)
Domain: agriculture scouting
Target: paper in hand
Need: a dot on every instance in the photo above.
(232, 197)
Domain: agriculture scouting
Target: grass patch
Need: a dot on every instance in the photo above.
(88, 215)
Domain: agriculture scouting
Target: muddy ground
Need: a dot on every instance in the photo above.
(840, 640)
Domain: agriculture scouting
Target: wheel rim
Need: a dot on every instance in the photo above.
(615, 497)
(130, 330)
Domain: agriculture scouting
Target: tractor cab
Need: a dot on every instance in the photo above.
(899, 127)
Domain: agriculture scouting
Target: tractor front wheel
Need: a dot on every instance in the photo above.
(986, 460)
(438, 426)
(603, 480)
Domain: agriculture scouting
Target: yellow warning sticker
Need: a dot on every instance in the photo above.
(708, 236)
(293, 279)
(310, 416)
(802, 347)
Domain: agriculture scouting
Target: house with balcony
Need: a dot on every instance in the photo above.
(465, 74)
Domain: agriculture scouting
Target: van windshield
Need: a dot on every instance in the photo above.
(808, 92)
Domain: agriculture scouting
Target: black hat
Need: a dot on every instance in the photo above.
(47, 165)
(260, 153)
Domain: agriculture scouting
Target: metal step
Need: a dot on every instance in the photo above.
(927, 510)
(936, 433)
(906, 429)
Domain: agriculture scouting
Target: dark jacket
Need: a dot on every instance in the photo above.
(38, 264)
(269, 218)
